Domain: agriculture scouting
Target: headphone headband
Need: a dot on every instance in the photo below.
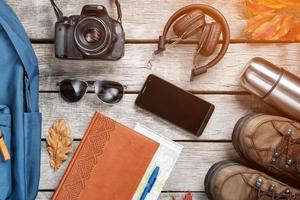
(213, 13)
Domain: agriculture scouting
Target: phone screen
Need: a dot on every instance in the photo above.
(175, 105)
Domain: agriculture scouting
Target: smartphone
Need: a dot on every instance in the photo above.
(175, 105)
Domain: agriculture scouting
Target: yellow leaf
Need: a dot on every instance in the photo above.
(274, 19)
(258, 20)
(268, 29)
(286, 25)
(294, 33)
(290, 3)
(271, 4)
(256, 8)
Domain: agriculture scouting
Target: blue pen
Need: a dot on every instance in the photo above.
(150, 183)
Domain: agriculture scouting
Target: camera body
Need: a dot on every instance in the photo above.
(91, 35)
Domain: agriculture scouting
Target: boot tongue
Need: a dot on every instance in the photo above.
(295, 156)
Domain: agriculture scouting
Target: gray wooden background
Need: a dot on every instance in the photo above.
(143, 22)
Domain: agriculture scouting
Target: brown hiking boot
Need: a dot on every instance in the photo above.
(271, 143)
(232, 181)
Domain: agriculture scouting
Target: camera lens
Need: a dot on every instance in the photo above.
(92, 36)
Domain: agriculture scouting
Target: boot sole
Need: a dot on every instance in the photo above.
(211, 174)
(237, 134)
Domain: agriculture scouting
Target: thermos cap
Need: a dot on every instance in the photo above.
(260, 76)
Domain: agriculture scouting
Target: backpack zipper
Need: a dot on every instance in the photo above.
(27, 95)
(3, 148)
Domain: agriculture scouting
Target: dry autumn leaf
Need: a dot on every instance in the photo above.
(274, 19)
(188, 196)
(59, 143)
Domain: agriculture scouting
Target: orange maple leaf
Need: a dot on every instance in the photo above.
(274, 19)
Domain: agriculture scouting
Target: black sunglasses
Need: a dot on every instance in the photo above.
(109, 92)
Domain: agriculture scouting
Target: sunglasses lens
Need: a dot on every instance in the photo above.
(72, 90)
(109, 92)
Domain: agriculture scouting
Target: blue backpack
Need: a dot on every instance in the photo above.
(20, 120)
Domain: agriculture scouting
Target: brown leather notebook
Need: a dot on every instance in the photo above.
(108, 164)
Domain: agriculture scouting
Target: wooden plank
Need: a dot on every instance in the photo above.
(141, 20)
(163, 196)
(229, 108)
(175, 66)
(44, 195)
(188, 174)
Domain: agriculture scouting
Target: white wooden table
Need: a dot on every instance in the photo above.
(143, 22)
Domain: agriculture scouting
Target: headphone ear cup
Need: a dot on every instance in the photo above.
(189, 23)
(203, 38)
(210, 43)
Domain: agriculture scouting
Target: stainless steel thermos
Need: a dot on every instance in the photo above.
(274, 85)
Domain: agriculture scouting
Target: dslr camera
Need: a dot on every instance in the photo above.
(91, 35)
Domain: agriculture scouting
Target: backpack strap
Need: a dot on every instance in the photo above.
(19, 39)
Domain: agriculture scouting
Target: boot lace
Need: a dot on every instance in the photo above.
(285, 149)
(257, 193)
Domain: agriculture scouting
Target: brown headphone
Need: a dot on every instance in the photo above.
(191, 19)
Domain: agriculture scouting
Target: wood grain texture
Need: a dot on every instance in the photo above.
(141, 20)
(175, 66)
(144, 22)
(188, 174)
(163, 196)
(44, 195)
(229, 108)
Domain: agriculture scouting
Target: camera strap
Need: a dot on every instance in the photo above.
(119, 11)
(58, 12)
(60, 16)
